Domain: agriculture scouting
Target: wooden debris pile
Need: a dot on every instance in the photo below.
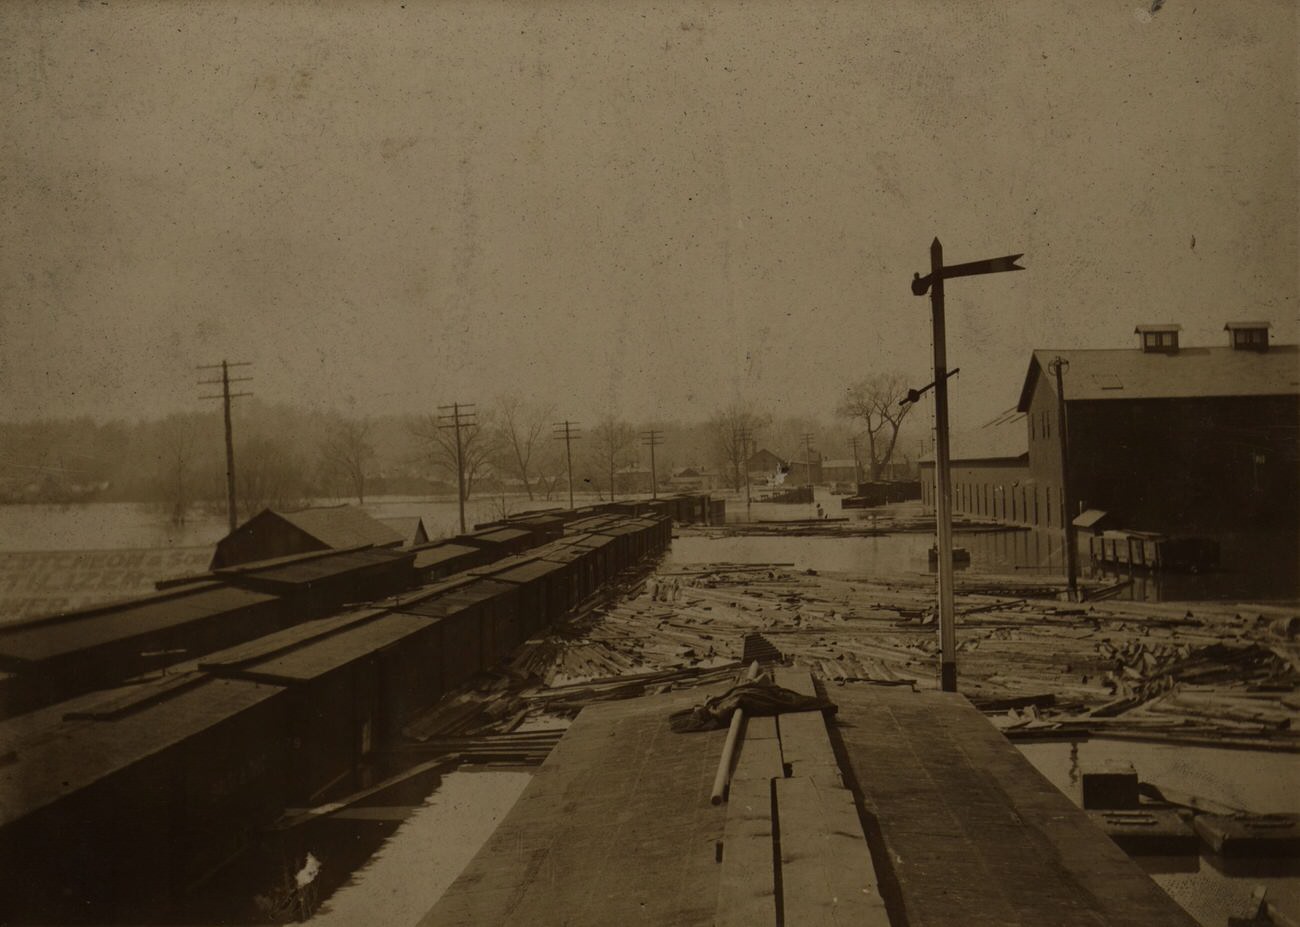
(1218, 673)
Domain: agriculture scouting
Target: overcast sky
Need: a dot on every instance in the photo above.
(650, 210)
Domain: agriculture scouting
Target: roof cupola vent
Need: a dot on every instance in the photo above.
(1159, 339)
(1247, 336)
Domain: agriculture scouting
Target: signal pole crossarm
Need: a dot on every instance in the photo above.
(933, 283)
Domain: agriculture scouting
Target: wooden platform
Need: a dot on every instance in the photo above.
(617, 827)
(975, 835)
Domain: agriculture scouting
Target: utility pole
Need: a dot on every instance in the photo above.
(1059, 366)
(745, 435)
(807, 462)
(226, 395)
(943, 478)
(857, 465)
(652, 439)
(568, 435)
(456, 422)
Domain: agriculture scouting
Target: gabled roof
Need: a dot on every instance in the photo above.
(1128, 373)
(410, 527)
(342, 526)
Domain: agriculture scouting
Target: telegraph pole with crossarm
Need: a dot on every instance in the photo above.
(461, 416)
(226, 395)
(652, 439)
(933, 282)
(567, 432)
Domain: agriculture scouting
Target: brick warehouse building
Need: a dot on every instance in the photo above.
(1162, 437)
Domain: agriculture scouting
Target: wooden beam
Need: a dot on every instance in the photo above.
(805, 745)
(747, 883)
(827, 876)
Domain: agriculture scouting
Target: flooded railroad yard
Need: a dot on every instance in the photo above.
(853, 608)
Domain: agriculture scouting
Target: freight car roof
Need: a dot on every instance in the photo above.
(52, 756)
(315, 658)
(45, 638)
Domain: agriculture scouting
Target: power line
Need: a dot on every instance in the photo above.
(225, 396)
(456, 422)
(565, 431)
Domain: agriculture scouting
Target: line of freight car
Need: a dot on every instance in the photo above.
(118, 803)
(45, 660)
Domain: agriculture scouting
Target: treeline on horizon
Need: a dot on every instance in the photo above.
(286, 455)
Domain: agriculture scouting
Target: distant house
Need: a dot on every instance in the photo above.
(763, 463)
(696, 479)
(270, 534)
(803, 471)
(841, 470)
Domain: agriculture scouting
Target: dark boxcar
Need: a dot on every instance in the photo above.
(604, 555)
(61, 656)
(550, 587)
(118, 801)
(582, 573)
(341, 709)
(317, 584)
(501, 541)
(446, 558)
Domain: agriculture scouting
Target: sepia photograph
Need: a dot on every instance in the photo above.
(700, 463)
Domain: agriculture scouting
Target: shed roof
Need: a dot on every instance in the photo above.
(1190, 373)
(1090, 518)
(342, 526)
(44, 638)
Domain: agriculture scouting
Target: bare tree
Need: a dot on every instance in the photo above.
(178, 459)
(612, 445)
(438, 447)
(519, 428)
(268, 474)
(732, 431)
(873, 401)
(346, 454)
(551, 473)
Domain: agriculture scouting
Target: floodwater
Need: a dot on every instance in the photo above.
(1208, 887)
(409, 873)
(1254, 566)
(116, 525)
